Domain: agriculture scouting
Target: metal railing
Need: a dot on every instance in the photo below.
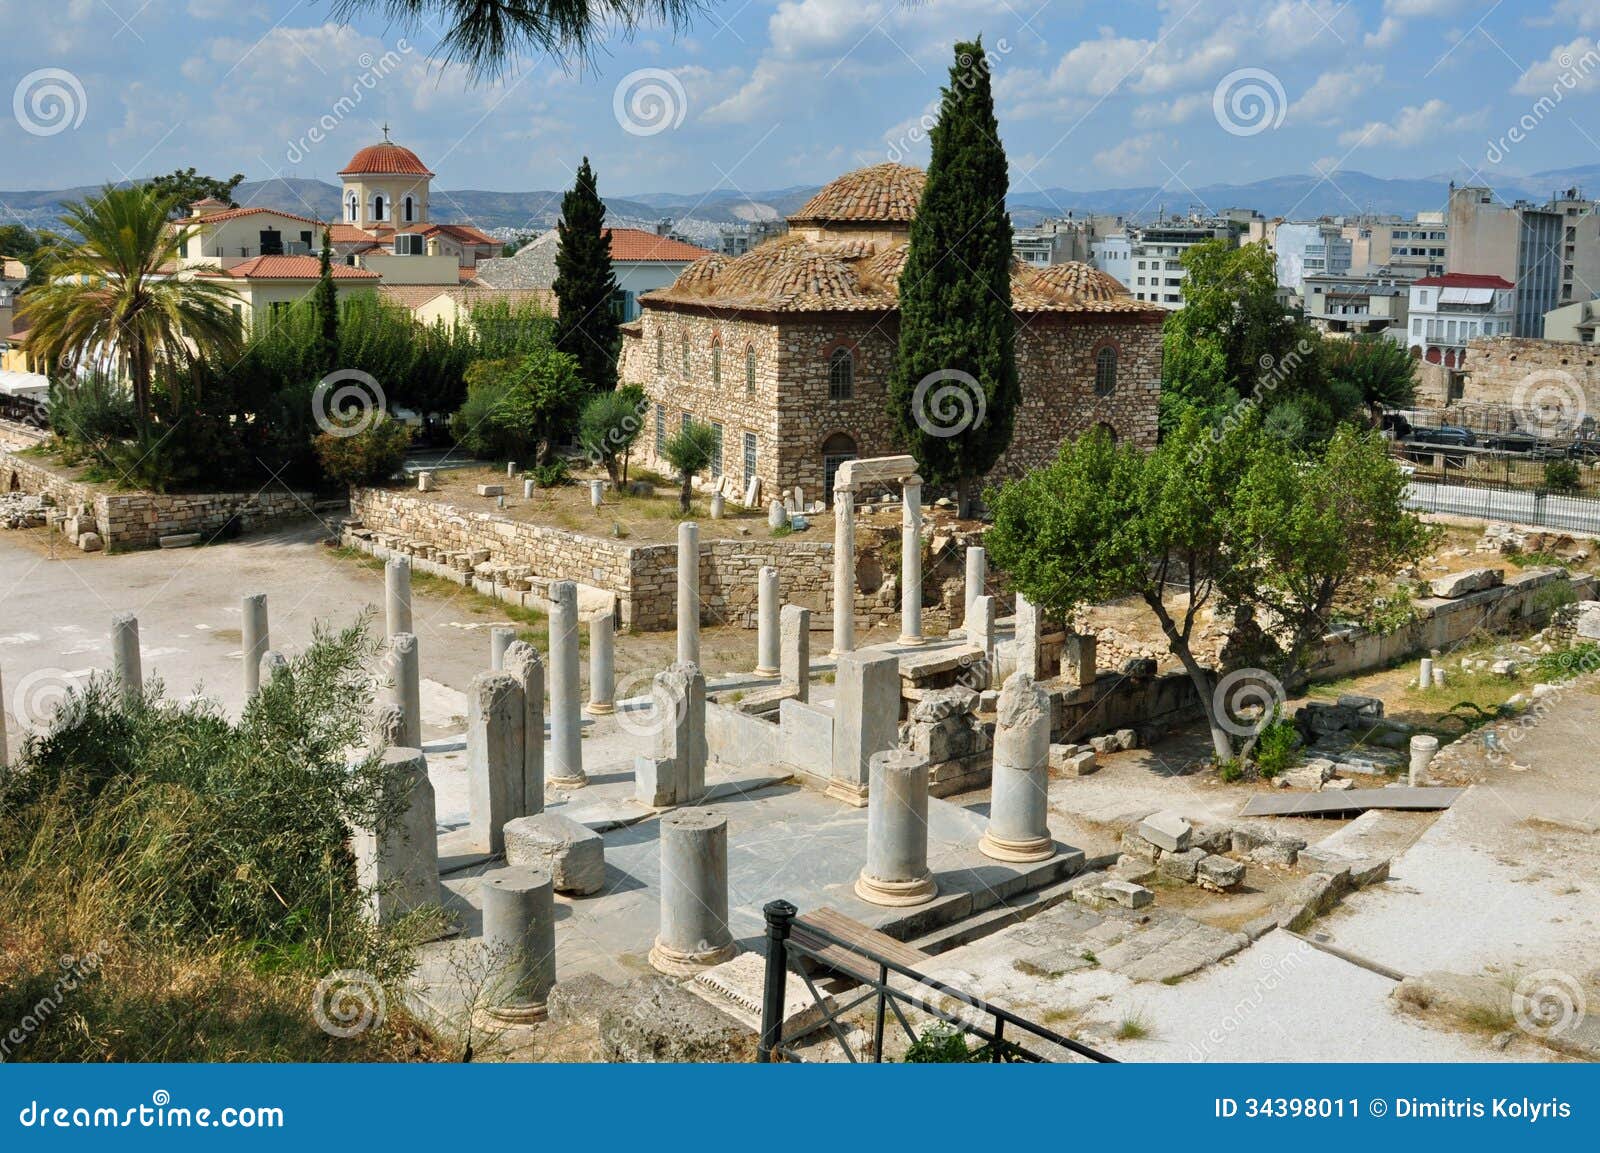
(989, 1023)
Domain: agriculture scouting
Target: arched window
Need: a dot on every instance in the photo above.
(1105, 371)
(661, 351)
(377, 207)
(410, 208)
(750, 370)
(683, 355)
(1111, 433)
(716, 366)
(841, 374)
(351, 207)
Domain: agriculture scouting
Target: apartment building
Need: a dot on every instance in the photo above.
(1550, 252)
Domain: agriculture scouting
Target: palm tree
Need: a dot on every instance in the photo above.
(488, 35)
(113, 293)
(690, 451)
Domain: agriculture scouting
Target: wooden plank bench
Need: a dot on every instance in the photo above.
(839, 959)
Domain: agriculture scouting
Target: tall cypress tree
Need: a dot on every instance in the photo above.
(586, 326)
(326, 300)
(953, 393)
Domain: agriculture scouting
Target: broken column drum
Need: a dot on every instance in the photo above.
(602, 665)
(397, 595)
(565, 768)
(519, 937)
(896, 872)
(126, 665)
(767, 610)
(1018, 828)
(405, 687)
(495, 722)
(694, 932)
(253, 640)
(689, 592)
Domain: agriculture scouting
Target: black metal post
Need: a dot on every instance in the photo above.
(780, 918)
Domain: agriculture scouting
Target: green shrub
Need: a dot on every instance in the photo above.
(552, 475)
(370, 456)
(1277, 747)
(517, 408)
(609, 425)
(1562, 475)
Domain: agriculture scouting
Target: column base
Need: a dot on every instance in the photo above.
(565, 782)
(516, 1014)
(896, 893)
(836, 653)
(758, 671)
(600, 708)
(1021, 852)
(913, 641)
(855, 795)
(666, 959)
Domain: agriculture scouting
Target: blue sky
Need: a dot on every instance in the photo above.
(762, 95)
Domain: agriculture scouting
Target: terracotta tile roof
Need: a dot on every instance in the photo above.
(1464, 280)
(414, 296)
(411, 296)
(467, 272)
(788, 274)
(235, 213)
(293, 268)
(883, 193)
(385, 158)
(348, 234)
(462, 232)
(637, 244)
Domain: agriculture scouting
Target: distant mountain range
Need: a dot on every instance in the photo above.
(1343, 193)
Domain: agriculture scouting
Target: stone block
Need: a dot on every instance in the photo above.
(1133, 869)
(1104, 744)
(1472, 581)
(1079, 764)
(1127, 894)
(1182, 866)
(939, 704)
(1219, 874)
(90, 542)
(1133, 845)
(1369, 708)
(1212, 838)
(491, 490)
(1586, 619)
(179, 540)
(1166, 831)
(1126, 739)
(573, 855)
(654, 1020)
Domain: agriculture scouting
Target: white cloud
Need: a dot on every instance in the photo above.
(1174, 111)
(1099, 67)
(1412, 126)
(1329, 97)
(1133, 156)
(1573, 67)
(1388, 33)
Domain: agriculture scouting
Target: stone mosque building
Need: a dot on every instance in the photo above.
(787, 349)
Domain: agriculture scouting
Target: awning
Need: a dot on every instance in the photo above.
(1466, 296)
(24, 385)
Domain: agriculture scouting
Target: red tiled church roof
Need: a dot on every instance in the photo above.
(385, 158)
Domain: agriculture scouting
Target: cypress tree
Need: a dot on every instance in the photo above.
(586, 326)
(325, 355)
(953, 393)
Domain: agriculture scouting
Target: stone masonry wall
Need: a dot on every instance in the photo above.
(792, 414)
(1516, 371)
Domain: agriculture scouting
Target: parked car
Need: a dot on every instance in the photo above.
(1396, 425)
(1450, 435)
(1584, 449)
(1513, 442)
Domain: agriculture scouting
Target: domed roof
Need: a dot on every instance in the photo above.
(881, 194)
(1079, 280)
(385, 158)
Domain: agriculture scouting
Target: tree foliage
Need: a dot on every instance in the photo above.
(368, 455)
(953, 391)
(184, 186)
(586, 320)
(1378, 370)
(609, 426)
(1236, 519)
(518, 408)
(690, 451)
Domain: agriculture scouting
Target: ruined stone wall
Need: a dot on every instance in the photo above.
(1515, 371)
(132, 520)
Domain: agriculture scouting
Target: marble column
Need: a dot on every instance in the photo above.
(1078, 658)
(1018, 827)
(689, 592)
(519, 939)
(253, 640)
(678, 693)
(602, 664)
(866, 719)
(523, 664)
(1423, 747)
(405, 688)
(694, 932)
(500, 638)
(494, 757)
(397, 862)
(977, 576)
(565, 768)
(896, 872)
(126, 666)
(1425, 674)
(794, 657)
(844, 571)
(767, 609)
(980, 633)
(397, 594)
(911, 562)
(1027, 631)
